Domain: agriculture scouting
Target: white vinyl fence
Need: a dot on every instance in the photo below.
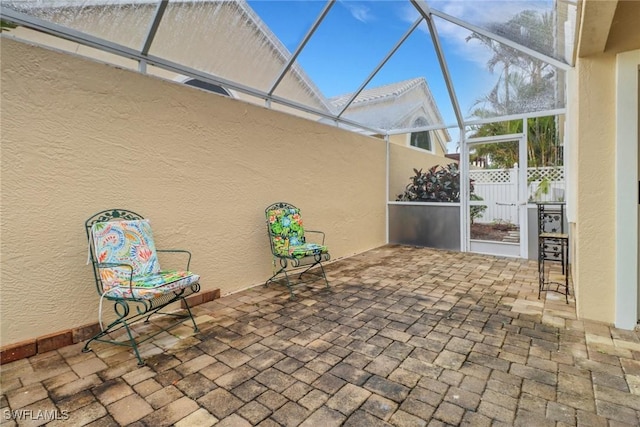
(499, 188)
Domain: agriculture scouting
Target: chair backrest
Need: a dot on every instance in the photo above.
(121, 237)
(284, 224)
(551, 217)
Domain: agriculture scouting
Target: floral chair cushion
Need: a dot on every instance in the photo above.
(126, 242)
(307, 249)
(149, 286)
(287, 234)
(131, 243)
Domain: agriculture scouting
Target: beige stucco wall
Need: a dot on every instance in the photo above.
(404, 140)
(594, 146)
(231, 45)
(403, 159)
(606, 30)
(79, 137)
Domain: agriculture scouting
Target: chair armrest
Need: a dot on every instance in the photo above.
(315, 231)
(178, 251)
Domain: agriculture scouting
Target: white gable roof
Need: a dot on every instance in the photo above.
(392, 106)
(367, 96)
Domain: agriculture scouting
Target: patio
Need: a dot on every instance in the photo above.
(406, 336)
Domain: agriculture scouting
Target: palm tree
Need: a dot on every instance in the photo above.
(543, 148)
(524, 82)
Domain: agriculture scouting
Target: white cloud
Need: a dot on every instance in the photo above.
(482, 12)
(408, 13)
(454, 35)
(476, 12)
(358, 10)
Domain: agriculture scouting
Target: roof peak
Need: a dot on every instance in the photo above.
(380, 92)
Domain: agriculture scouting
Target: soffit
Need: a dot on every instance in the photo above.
(597, 16)
(625, 28)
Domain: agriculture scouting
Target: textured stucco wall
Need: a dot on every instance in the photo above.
(594, 231)
(79, 137)
(271, 64)
(404, 140)
(182, 38)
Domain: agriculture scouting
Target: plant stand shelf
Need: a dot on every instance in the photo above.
(553, 247)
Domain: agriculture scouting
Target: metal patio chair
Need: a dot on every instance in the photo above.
(127, 274)
(289, 246)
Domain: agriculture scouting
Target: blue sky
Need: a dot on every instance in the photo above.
(356, 35)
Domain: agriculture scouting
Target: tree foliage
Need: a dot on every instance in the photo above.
(440, 184)
(524, 81)
(525, 84)
(6, 26)
(543, 148)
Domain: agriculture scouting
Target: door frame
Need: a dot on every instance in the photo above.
(627, 276)
(497, 248)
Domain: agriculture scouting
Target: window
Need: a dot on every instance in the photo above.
(208, 86)
(421, 139)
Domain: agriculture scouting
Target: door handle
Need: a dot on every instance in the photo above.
(511, 204)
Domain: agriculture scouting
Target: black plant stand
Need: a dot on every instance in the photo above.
(553, 246)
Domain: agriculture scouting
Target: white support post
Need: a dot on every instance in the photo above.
(464, 192)
(386, 196)
(626, 189)
(523, 193)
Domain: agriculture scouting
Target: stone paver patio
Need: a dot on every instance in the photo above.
(406, 337)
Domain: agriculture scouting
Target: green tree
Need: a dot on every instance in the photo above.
(498, 156)
(543, 146)
(524, 82)
(6, 26)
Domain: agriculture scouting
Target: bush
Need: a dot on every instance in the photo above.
(476, 211)
(439, 184)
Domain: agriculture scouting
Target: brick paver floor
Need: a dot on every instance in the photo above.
(405, 337)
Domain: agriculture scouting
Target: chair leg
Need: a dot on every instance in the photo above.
(283, 270)
(87, 348)
(559, 249)
(116, 325)
(134, 345)
(186, 304)
(309, 268)
(540, 269)
(321, 274)
(565, 266)
(288, 284)
(270, 279)
(324, 275)
(125, 321)
(122, 311)
(183, 316)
